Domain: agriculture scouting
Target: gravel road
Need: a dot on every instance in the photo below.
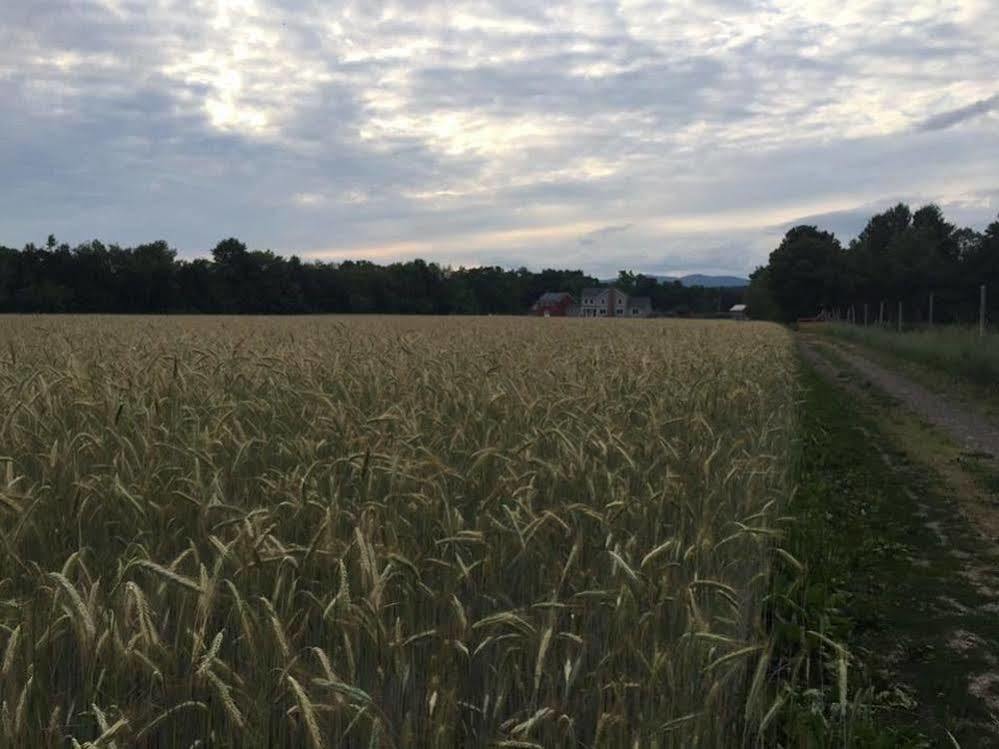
(969, 429)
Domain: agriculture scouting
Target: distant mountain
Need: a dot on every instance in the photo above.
(714, 282)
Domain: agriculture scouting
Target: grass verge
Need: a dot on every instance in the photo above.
(885, 554)
(953, 351)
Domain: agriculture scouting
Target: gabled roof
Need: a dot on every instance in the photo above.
(598, 290)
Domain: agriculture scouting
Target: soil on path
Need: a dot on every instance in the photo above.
(926, 608)
(971, 430)
(954, 439)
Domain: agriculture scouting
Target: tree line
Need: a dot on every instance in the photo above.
(901, 257)
(150, 278)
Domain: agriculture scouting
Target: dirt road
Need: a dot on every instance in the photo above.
(936, 594)
(969, 430)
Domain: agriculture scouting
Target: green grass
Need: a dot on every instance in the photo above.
(830, 535)
(865, 525)
(957, 351)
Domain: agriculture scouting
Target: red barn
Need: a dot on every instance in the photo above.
(553, 304)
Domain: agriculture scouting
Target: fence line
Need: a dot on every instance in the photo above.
(849, 314)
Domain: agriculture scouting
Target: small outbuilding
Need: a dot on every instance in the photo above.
(553, 304)
(738, 312)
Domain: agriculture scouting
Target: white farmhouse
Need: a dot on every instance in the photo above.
(611, 302)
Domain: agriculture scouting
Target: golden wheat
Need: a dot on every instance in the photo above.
(389, 532)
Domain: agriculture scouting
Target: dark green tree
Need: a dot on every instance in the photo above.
(806, 273)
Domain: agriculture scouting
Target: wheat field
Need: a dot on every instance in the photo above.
(389, 532)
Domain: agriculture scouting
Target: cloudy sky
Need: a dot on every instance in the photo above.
(654, 135)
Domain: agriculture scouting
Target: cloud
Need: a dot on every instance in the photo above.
(687, 133)
(956, 116)
(973, 209)
(591, 238)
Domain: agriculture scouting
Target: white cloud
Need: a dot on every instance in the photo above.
(492, 130)
(308, 199)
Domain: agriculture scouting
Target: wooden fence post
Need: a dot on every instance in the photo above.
(881, 313)
(900, 316)
(865, 314)
(931, 309)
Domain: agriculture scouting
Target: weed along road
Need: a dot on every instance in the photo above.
(916, 479)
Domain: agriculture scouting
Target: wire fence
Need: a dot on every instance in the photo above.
(926, 311)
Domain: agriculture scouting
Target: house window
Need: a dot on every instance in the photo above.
(603, 312)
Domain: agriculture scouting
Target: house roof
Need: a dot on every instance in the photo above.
(598, 290)
(738, 308)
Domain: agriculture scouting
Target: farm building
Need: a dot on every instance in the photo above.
(737, 312)
(612, 302)
(553, 304)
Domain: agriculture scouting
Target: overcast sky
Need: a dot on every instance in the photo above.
(653, 135)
